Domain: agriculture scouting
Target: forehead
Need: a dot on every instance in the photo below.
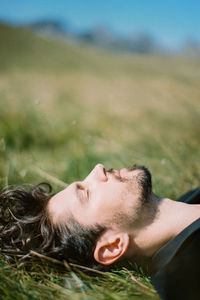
(61, 205)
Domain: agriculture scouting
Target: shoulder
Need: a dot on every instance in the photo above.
(191, 197)
(178, 277)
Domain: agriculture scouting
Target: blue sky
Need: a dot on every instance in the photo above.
(170, 21)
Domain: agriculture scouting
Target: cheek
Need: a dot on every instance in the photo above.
(105, 203)
(109, 201)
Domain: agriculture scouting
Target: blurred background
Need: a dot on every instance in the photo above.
(116, 82)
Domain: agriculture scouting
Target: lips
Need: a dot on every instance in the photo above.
(117, 173)
(113, 172)
(122, 172)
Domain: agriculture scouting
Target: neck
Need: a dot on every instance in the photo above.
(170, 219)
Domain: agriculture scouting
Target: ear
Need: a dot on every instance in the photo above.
(111, 246)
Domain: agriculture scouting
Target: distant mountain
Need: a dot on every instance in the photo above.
(105, 38)
(49, 27)
(101, 36)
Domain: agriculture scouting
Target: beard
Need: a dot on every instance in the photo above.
(142, 181)
(140, 185)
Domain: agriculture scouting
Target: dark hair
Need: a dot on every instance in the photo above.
(25, 225)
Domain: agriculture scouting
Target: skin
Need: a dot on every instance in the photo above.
(98, 198)
(114, 200)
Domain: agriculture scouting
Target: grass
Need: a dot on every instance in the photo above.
(44, 281)
(64, 108)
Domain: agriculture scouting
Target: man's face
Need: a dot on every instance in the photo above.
(108, 198)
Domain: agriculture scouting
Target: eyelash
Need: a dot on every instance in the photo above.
(80, 187)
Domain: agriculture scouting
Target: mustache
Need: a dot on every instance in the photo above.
(130, 168)
(111, 171)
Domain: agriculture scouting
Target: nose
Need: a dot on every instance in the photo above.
(98, 173)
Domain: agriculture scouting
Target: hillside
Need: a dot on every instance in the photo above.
(21, 48)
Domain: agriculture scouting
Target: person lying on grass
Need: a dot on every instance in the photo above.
(111, 217)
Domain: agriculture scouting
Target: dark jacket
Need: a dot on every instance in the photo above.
(176, 266)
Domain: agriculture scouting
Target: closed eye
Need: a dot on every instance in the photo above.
(84, 193)
(88, 194)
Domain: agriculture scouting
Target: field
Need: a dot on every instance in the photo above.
(64, 107)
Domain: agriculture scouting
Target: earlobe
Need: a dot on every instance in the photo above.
(111, 246)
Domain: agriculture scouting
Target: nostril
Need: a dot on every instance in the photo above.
(105, 174)
(101, 171)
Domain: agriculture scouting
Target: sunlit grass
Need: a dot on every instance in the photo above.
(62, 118)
